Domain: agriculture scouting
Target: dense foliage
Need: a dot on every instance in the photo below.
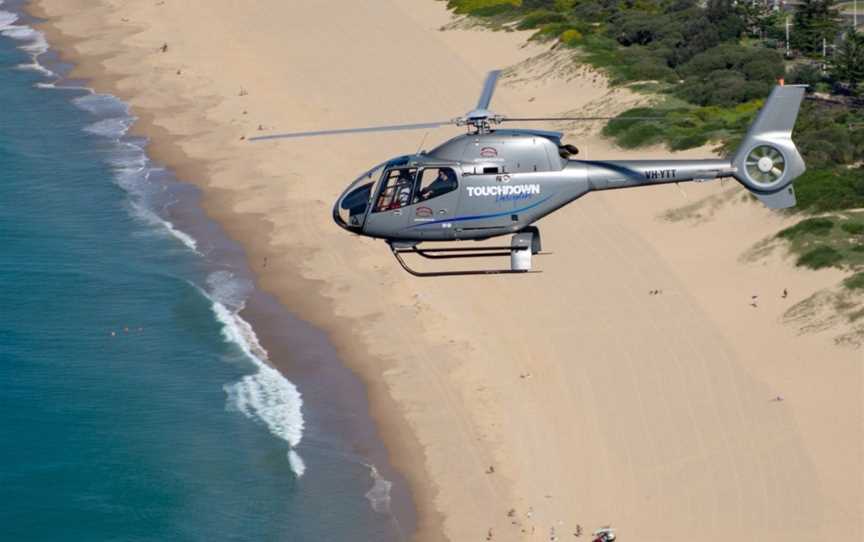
(847, 65)
(816, 23)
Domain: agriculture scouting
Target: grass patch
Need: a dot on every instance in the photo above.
(811, 226)
(855, 228)
(680, 127)
(831, 189)
(536, 19)
(483, 8)
(819, 243)
(820, 258)
(855, 282)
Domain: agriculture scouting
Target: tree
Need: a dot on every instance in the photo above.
(815, 21)
(848, 62)
(758, 17)
(721, 14)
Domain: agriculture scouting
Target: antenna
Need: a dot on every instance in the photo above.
(420, 146)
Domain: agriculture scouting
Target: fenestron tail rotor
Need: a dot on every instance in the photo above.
(765, 165)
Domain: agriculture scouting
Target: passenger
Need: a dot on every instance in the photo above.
(403, 190)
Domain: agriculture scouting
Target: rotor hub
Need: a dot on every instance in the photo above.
(765, 164)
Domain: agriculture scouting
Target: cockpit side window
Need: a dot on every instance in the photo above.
(433, 182)
(396, 188)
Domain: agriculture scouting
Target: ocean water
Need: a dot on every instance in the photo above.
(136, 403)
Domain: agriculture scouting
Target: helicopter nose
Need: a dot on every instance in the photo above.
(337, 217)
(349, 211)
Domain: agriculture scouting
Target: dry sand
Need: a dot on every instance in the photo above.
(595, 402)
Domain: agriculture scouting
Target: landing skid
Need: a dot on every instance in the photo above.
(520, 252)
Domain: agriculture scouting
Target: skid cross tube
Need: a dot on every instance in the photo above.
(462, 252)
(451, 253)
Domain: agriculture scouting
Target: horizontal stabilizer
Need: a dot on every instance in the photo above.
(778, 200)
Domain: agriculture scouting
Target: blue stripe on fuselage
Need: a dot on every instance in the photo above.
(481, 217)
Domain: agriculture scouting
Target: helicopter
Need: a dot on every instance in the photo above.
(492, 182)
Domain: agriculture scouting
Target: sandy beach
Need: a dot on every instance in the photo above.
(592, 401)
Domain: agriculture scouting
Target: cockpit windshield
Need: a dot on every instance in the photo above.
(350, 209)
(369, 177)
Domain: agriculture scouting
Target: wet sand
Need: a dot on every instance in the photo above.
(594, 401)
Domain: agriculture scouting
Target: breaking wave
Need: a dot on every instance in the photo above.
(34, 42)
(265, 395)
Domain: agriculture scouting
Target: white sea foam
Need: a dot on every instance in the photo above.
(296, 462)
(231, 291)
(146, 215)
(34, 41)
(379, 495)
(184, 237)
(7, 19)
(104, 105)
(113, 127)
(265, 395)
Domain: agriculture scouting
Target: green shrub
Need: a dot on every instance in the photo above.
(571, 37)
(686, 128)
(820, 257)
(482, 8)
(821, 190)
(730, 74)
(855, 282)
(639, 134)
(855, 228)
(812, 226)
(805, 74)
(538, 18)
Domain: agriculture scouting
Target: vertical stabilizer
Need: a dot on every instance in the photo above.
(767, 161)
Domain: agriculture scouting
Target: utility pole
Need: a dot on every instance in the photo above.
(855, 15)
(788, 49)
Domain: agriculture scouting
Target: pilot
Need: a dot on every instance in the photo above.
(441, 185)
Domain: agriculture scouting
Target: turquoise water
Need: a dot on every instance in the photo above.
(134, 401)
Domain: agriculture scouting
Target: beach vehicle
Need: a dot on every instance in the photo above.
(492, 182)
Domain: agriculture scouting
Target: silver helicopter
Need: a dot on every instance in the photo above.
(492, 182)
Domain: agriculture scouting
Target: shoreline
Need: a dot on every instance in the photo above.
(459, 403)
(262, 312)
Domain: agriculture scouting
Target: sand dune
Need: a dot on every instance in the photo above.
(595, 402)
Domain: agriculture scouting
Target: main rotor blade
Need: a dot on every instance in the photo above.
(488, 89)
(541, 119)
(388, 128)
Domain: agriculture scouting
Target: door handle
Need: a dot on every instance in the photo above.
(398, 212)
